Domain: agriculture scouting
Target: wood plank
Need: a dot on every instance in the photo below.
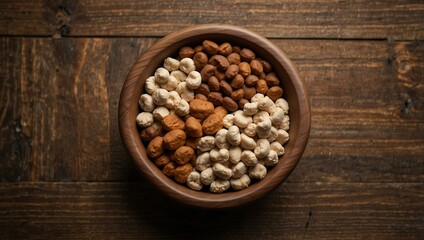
(59, 114)
(396, 20)
(134, 210)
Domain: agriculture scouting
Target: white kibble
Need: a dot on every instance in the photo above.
(239, 169)
(260, 116)
(257, 98)
(187, 65)
(203, 161)
(273, 134)
(265, 103)
(193, 181)
(219, 186)
(151, 85)
(144, 119)
(221, 139)
(207, 176)
(282, 136)
(240, 183)
(250, 130)
(278, 148)
(171, 64)
(247, 142)
(249, 158)
(277, 116)
(228, 120)
(250, 108)
(264, 126)
(283, 104)
(161, 75)
(233, 136)
(179, 75)
(241, 119)
(262, 148)
(171, 84)
(206, 143)
(271, 159)
(285, 124)
(185, 93)
(219, 155)
(221, 171)
(258, 171)
(235, 154)
(182, 108)
(160, 112)
(160, 96)
(193, 80)
(172, 100)
(146, 103)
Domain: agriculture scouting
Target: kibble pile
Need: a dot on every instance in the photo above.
(214, 117)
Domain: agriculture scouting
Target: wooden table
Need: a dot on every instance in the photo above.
(65, 174)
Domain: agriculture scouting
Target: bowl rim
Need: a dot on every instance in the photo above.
(182, 193)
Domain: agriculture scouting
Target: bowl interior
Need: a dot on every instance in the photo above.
(294, 93)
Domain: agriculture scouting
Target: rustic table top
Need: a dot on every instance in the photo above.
(65, 174)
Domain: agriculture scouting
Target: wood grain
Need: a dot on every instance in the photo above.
(134, 210)
(394, 19)
(367, 102)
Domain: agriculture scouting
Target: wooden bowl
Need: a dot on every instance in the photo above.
(294, 93)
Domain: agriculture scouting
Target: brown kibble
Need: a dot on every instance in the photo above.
(234, 58)
(201, 97)
(149, 133)
(186, 117)
(247, 55)
(210, 47)
(215, 98)
(219, 75)
(181, 173)
(156, 147)
(186, 52)
(198, 48)
(212, 124)
(207, 72)
(229, 104)
(203, 89)
(251, 80)
(220, 62)
(261, 86)
(183, 155)
(225, 88)
(200, 109)
(244, 69)
(174, 139)
(193, 127)
(232, 71)
(274, 93)
(237, 95)
(169, 169)
(172, 122)
(220, 111)
(256, 67)
(200, 60)
(242, 102)
(162, 160)
(213, 84)
(262, 76)
(192, 142)
(272, 80)
(249, 92)
(267, 67)
(236, 49)
(225, 49)
(237, 82)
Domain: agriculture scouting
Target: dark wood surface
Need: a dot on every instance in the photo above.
(64, 172)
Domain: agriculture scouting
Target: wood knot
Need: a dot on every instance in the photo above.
(63, 18)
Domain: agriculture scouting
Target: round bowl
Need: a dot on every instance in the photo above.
(294, 93)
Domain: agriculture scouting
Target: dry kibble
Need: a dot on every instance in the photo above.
(172, 122)
(210, 47)
(232, 71)
(237, 95)
(272, 80)
(203, 89)
(244, 69)
(225, 88)
(237, 82)
(242, 102)
(236, 49)
(220, 62)
(213, 84)
(256, 67)
(200, 60)
(192, 142)
(207, 72)
(200, 109)
(169, 169)
(186, 52)
(198, 48)
(193, 127)
(266, 66)
(249, 92)
(156, 147)
(247, 55)
(184, 155)
(215, 98)
(251, 80)
(219, 75)
(229, 104)
(212, 124)
(261, 86)
(162, 160)
(275, 93)
(220, 111)
(234, 58)
(181, 172)
(174, 139)
(225, 49)
(201, 97)
(149, 133)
